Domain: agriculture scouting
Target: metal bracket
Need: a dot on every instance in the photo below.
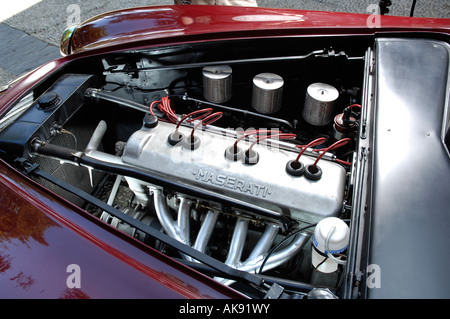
(26, 167)
(274, 292)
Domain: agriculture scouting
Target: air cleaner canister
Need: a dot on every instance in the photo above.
(217, 83)
(267, 93)
(319, 104)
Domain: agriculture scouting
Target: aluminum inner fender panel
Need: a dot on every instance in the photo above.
(265, 183)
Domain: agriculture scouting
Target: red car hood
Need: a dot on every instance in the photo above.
(149, 23)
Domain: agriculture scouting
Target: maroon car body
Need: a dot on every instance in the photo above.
(42, 233)
(205, 22)
(37, 225)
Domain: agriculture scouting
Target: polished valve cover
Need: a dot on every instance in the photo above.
(265, 183)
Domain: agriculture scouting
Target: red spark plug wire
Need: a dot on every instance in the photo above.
(297, 168)
(165, 107)
(313, 171)
(192, 141)
(252, 157)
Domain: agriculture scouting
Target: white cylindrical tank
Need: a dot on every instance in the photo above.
(333, 232)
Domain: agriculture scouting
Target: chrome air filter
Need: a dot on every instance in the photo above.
(217, 83)
(267, 93)
(319, 104)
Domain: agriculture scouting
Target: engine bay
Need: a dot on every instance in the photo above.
(243, 151)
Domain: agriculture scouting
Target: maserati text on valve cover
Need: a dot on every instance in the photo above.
(221, 152)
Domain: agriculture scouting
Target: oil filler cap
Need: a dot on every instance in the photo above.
(48, 101)
(150, 121)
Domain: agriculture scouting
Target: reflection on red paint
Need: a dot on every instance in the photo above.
(7, 224)
(5, 263)
(22, 280)
(74, 294)
(20, 220)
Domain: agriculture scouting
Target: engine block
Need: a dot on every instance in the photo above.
(264, 183)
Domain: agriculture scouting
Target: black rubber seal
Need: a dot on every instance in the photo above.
(251, 157)
(175, 138)
(234, 154)
(312, 172)
(191, 142)
(295, 168)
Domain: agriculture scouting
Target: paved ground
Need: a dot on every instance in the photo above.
(30, 37)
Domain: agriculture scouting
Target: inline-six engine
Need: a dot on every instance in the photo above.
(261, 178)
